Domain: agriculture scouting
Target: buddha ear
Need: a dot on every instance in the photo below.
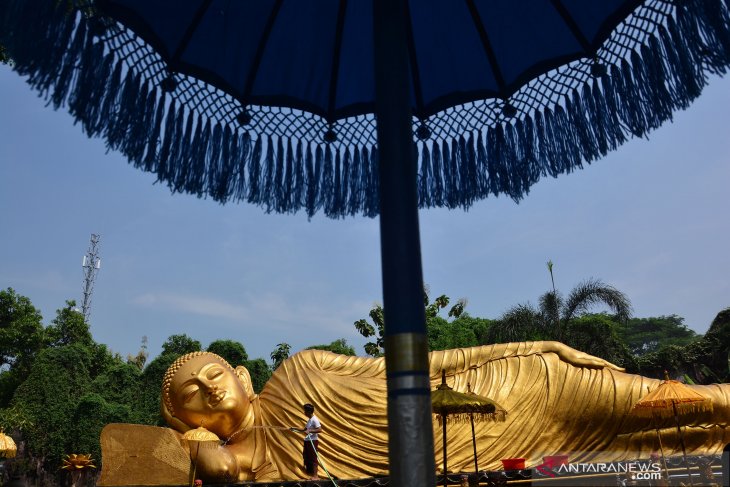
(171, 420)
(245, 378)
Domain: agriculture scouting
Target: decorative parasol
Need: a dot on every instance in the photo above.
(455, 407)
(8, 449)
(672, 399)
(500, 414)
(194, 439)
(312, 105)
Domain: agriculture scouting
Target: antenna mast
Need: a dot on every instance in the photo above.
(91, 265)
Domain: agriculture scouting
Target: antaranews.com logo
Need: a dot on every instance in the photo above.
(635, 470)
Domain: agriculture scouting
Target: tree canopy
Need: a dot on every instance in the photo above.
(338, 346)
(377, 315)
(232, 351)
(644, 335)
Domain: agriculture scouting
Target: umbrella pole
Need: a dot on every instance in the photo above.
(661, 450)
(681, 442)
(410, 430)
(443, 422)
(474, 444)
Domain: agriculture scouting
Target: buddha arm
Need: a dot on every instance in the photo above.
(478, 356)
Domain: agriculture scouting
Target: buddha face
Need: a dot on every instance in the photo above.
(205, 391)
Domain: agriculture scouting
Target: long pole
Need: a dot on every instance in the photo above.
(474, 444)
(443, 422)
(681, 442)
(410, 431)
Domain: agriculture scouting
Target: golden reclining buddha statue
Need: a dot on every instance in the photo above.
(558, 401)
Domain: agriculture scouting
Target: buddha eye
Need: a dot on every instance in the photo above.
(215, 373)
(190, 394)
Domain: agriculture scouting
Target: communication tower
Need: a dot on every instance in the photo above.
(91, 265)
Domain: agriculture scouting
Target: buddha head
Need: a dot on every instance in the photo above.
(202, 389)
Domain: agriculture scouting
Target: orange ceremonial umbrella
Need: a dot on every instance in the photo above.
(672, 398)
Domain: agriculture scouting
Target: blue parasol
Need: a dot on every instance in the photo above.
(275, 103)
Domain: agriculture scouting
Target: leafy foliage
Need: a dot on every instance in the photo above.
(338, 346)
(21, 338)
(280, 353)
(68, 327)
(232, 351)
(705, 360)
(464, 331)
(644, 335)
(180, 345)
(598, 334)
(260, 373)
(377, 315)
(558, 319)
(59, 378)
(148, 400)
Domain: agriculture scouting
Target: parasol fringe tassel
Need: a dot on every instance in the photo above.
(335, 207)
(372, 195)
(267, 177)
(325, 185)
(466, 418)
(288, 190)
(438, 182)
(665, 411)
(254, 175)
(299, 181)
(345, 185)
(63, 54)
(279, 193)
(448, 168)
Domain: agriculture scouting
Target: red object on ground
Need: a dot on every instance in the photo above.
(513, 463)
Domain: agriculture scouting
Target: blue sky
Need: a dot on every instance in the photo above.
(650, 219)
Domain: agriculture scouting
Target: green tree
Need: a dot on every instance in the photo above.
(68, 327)
(21, 338)
(598, 334)
(464, 331)
(180, 345)
(147, 405)
(232, 351)
(646, 335)
(280, 353)
(260, 373)
(554, 318)
(59, 379)
(377, 315)
(338, 346)
(705, 360)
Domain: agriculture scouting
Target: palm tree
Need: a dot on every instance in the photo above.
(555, 317)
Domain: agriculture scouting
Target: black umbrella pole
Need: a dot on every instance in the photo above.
(410, 428)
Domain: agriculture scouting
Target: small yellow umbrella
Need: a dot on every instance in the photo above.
(455, 407)
(8, 449)
(500, 414)
(672, 398)
(194, 439)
